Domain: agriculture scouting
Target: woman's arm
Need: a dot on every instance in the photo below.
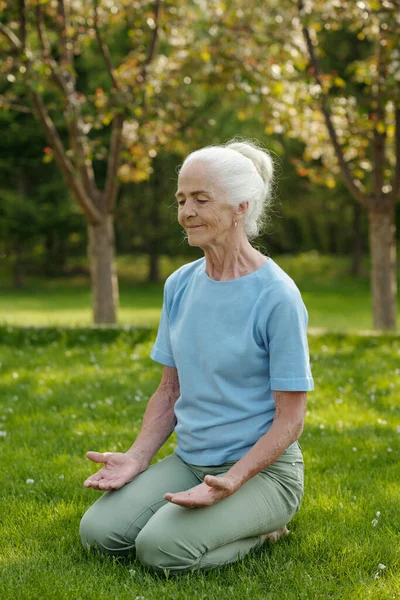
(286, 428)
(159, 418)
(158, 424)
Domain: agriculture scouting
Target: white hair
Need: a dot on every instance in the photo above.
(245, 170)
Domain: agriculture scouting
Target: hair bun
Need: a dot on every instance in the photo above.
(259, 156)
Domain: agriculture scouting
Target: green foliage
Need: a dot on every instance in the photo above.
(37, 216)
(64, 392)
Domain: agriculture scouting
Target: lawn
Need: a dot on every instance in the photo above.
(334, 299)
(64, 391)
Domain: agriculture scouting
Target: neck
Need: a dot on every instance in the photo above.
(230, 261)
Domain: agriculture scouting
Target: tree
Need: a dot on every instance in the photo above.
(48, 47)
(337, 89)
(61, 53)
(378, 100)
(327, 72)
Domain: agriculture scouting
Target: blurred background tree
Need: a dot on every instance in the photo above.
(125, 90)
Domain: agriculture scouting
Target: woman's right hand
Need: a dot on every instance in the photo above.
(119, 468)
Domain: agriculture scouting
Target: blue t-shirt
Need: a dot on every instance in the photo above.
(232, 342)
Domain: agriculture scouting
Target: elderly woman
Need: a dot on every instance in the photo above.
(233, 344)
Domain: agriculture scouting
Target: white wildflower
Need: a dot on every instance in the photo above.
(381, 568)
(3, 433)
(374, 522)
(30, 481)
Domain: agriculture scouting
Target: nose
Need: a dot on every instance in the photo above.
(188, 209)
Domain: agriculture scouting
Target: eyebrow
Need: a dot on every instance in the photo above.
(192, 193)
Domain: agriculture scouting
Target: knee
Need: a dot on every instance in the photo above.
(161, 552)
(98, 532)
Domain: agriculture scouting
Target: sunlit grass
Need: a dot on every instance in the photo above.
(66, 391)
(334, 299)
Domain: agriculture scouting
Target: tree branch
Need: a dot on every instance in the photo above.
(22, 22)
(12, 38)
(352, 184)
(104, 48)
(153, 42)
(64, 164)
(114, 158)
(4, 103)
(396, 175)
(41, 30)
(66, 83)
(67, 57)
(379, 140)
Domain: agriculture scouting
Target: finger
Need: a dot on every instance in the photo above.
(97, 457)
(186, 502)
(216, 482)
(90, 483)
(176, 498)
(111, 484)
(96, 476)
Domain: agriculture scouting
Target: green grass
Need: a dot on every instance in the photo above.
(335, 301)
(64, 391)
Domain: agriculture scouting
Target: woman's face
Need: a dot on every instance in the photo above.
(203, 210)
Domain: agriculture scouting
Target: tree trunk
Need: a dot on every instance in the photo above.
(50, 269)
(154, 266)
(383, 267)
(355, 269)
(155, 219)
(18, 278)
(101, 253)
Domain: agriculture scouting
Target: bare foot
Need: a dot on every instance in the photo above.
(275, 535)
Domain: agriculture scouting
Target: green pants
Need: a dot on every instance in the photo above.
(163, 536)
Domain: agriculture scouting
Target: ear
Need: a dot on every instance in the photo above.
(242, 208)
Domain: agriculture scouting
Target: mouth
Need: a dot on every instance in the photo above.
(193, 226)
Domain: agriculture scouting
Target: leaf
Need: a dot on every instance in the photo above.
(381, 127)
(205, 56)
(339, 82)
(330, 182)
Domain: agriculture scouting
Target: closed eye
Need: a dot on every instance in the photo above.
(182, 202)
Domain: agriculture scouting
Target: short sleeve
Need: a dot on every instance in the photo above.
(287, 342)
(161, 351)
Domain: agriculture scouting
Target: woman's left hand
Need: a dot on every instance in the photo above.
(211, 491)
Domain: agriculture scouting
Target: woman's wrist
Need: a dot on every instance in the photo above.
(235, 478)
(138, 455)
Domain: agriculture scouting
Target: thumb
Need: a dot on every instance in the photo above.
(215, 482)
(97, 457)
